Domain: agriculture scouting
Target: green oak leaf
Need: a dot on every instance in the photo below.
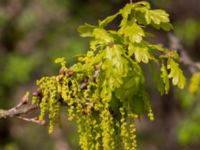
(176, 74)
(164, 76)
(86, 30)
(194, 83)
(107, 20)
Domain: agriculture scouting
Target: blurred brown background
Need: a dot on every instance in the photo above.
(34, 32)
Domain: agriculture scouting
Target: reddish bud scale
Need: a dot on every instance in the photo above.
(42, 122)
(38, 92)
(62, 71)
(24, 100)
(69, 72)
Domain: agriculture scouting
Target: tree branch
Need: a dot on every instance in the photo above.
(14, 112)
(174, 43)
(21, 109)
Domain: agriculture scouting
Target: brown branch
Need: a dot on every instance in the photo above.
(34, 120)
(19, 110)
(15, 112)
(185, 59)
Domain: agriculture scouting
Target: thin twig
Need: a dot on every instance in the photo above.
(174, 43)
(34, 120)
(13, 112)
(20, 109)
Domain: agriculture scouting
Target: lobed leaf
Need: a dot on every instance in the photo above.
(103, 35)
(158, 16)
(134, 33)
(86, 30)
(176, 74)
(107, 20)
(165, 79)
(140, 52)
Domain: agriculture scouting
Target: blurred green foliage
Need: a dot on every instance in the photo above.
(189, 129)
(186, 99)
(17, 69)
(188, 30)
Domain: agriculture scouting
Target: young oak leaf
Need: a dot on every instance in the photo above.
(86, 30)
(158, 19)
(165, 79)
(158, 16)
(142, 55)
(126, 11)
(176, 74)
(103, 35)
(142, 16)
(142, 4)
(107, 20)
(194, 83)
(140, 52)
(134, 33)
